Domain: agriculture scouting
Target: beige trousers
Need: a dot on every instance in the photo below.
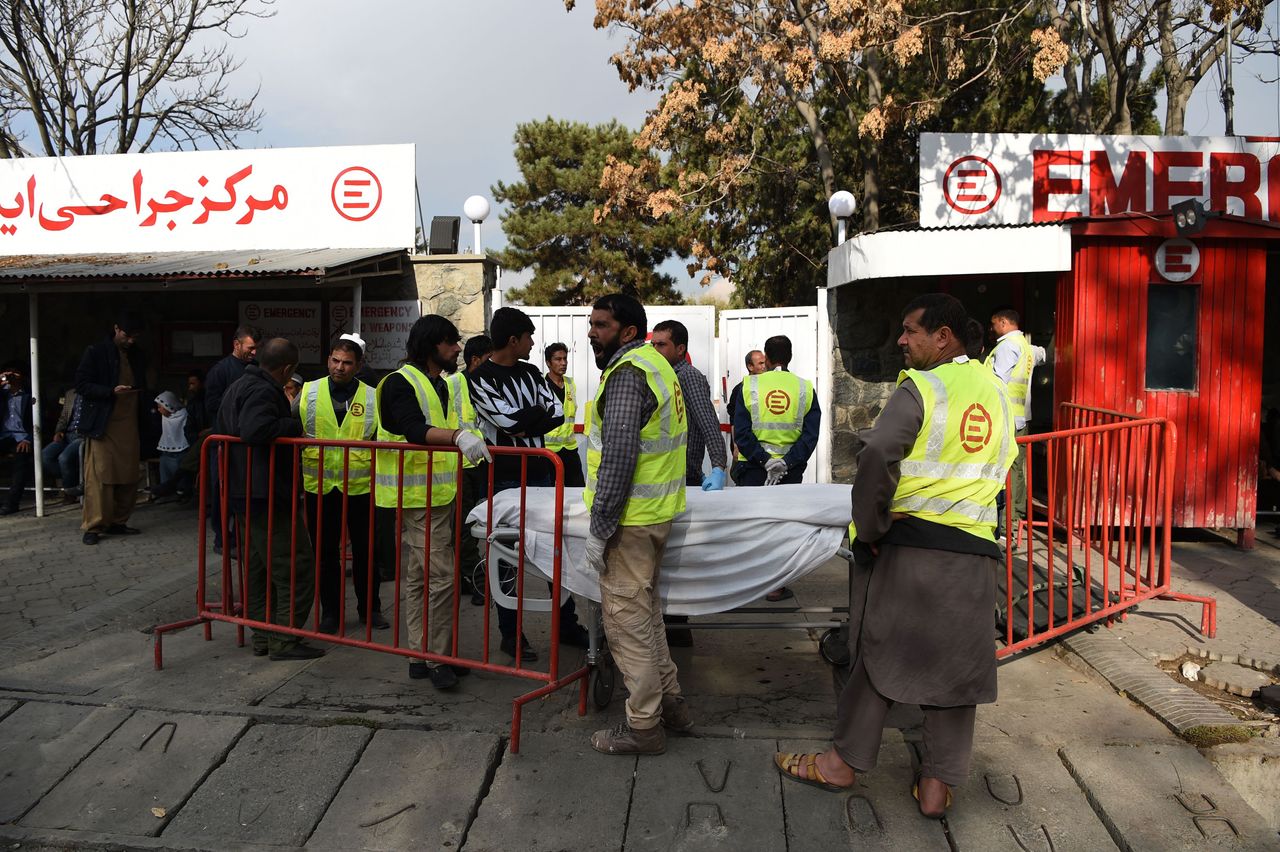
(633, 620)
(439, 585)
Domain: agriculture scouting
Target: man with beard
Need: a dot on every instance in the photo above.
(925, 560)
(635, 487)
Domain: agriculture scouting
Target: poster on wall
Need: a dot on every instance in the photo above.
(383, 325)
(297, 321)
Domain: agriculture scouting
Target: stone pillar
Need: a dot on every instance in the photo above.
(456, 286)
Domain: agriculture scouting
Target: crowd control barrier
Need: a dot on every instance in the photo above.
(1098, 544)
(286, 516)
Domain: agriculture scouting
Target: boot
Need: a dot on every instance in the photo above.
(675, 714)
(623, 739)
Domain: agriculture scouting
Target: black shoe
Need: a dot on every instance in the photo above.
(122, 529)
(164, 489)
(527, 654)
(443, 677)
(259, 650)
(379, 621)
(418, 670)
(298, 652)
(575, 636)
(679, 637)
(8, 510)
(328, 624)
(90, 538)
(477, 599)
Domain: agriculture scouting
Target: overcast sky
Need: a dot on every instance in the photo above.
(456, 77)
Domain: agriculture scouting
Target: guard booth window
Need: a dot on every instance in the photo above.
(1172, 311)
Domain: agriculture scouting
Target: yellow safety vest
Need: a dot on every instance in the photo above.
(562, 437)
(460, 403)
(359, 424)
(1020, 379)
(777, 402)
(444, 466)
(963, 452)
(657, 486)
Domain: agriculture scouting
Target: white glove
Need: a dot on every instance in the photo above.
(472, 447)
(595, 554)
(774, 470)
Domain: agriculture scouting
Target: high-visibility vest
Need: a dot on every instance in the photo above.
(963, 451)
(562, 438)
(444, 466)
(1020, 379)
(657, 486)
(778, 402)
(318, 421)
(460, 404)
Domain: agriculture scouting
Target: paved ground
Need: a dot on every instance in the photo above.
(223, 750)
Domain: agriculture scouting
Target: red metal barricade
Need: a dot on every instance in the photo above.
(285, 517)
(1100, 542)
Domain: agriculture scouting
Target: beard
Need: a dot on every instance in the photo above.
(605, 351)
(446, 364)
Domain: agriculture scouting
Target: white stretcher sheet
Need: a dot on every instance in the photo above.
(727, 549)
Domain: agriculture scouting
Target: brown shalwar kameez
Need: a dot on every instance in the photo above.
(922, 622)
(111, 462)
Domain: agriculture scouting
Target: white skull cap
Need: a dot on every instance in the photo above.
(354, 338)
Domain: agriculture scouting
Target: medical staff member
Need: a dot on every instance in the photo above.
(671, 339)
(413, 407)
(1014, 360)
(340, 407)
(924, 574)
(562, 440)
(635, 487)
(475, 477)
(775, 426)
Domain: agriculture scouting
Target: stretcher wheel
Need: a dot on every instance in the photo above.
(833, 647)
(477, 576)
(603, 680)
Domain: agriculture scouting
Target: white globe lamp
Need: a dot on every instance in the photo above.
(476, 209)
(842, 205)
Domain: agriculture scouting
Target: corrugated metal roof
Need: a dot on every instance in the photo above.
(186, 264)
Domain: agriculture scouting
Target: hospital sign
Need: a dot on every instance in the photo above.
(1020, 178)
(279, 198)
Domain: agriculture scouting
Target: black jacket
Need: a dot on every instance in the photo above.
(256, 410)
(220, 377)
(96, 380)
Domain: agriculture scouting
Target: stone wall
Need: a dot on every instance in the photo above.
(456, 286)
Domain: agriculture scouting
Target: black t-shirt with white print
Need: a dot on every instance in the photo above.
(516, 408)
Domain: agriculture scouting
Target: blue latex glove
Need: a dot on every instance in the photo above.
(715, 481)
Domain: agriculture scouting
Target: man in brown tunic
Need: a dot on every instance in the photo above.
(923, 584)
(110, 380)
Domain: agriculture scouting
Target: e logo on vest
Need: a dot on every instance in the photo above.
(975, 429)
(777, 401)
(357, 409)
(679, 399)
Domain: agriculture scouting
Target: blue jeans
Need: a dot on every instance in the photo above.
(61, 460)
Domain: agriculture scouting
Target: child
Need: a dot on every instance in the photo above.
(173, 444)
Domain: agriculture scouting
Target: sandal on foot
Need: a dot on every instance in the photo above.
(915, 793)
(804, 769)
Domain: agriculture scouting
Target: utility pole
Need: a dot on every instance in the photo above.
(1228, 91)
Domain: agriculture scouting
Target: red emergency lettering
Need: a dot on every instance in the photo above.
(1106, 195)
(1043, 186)
(1221, 187)
(1165, 187)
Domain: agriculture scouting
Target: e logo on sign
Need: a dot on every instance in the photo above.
(971, 185)
(1177, 260)
(356, 193)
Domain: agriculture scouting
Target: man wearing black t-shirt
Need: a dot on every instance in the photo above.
(516, 408)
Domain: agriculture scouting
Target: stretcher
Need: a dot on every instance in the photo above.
(727, 550)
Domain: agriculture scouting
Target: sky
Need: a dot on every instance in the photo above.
(455, 77)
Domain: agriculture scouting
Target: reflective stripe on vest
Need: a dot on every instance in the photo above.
(460, 402)
(657, 492)
(1019, 384)
(562, 437)
(318, 421)
(410, 489)
(963, 452)
(777, 431)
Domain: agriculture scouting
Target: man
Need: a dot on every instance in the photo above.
(635, 487)
(475, 476)
(61, 456)
(413, 407)
(562, 438)
(671, 339)
(516, 408)
(924, 573)
(244, 345)
(197, 415)
(109, 381)
(340, 407)
(16, 430)
(755, 366)
(255, 410)
(775, 427)
(1014, 360)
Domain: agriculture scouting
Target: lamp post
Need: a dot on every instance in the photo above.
(476, 209)
(842, 205)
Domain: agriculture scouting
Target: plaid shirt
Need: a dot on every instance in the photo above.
(704, 424)
(625, 409)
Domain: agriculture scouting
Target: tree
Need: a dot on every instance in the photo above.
(120, 76)
(552, 226)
